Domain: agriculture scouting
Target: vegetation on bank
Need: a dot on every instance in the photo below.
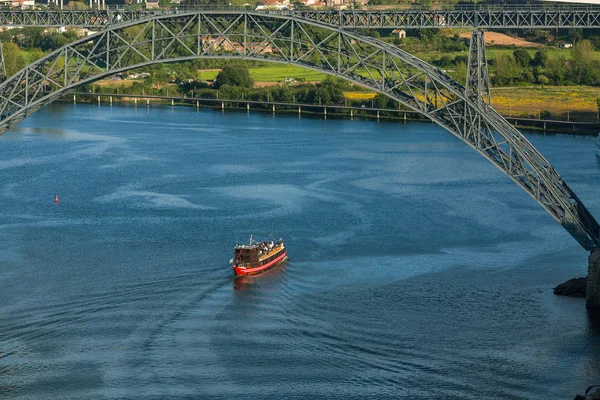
(550, 80)
(329, 91)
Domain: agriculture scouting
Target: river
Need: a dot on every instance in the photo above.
(416, 268)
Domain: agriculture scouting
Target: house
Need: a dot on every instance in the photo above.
(564, 45)
(219, 43)
(150, 4)
(80, 32)
(313, 3)
(273, 5)
(399, 33)
(23, 3)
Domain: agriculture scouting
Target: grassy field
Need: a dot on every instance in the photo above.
(278, 73)
(359, 95)
(272, 73)
(492, 52)
(557, 100)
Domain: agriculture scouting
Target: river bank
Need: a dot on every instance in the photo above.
(339, 111)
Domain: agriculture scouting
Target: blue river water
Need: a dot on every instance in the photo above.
(416, 268)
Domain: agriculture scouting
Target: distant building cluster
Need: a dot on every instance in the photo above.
(288, 5)
(18, 3)
(221, 43)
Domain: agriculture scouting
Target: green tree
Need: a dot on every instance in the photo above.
(543, 80)
(382, 101)
(234, 75)
(583, 66)
(13, 59)
(540, 58)
(52, 41)
(558, 71)
(507, 70)
(522, 57)
(460, 72)
(76, 5)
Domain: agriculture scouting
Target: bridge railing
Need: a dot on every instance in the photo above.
(367, 9)
(399, 7)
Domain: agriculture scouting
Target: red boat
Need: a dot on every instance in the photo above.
(256, 256)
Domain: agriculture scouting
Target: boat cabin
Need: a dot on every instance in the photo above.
(246, 255)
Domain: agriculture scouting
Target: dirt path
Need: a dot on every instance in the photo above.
(502, 39)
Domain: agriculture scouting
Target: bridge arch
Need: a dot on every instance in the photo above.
(322, 47)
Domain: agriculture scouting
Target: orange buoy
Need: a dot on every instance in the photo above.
(56, 199)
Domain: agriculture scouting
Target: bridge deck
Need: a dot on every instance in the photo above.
(571, 16)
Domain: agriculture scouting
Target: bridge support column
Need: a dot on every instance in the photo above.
(197, 104)
(273, 108)
(172, 102)
(2, 65)
(593, 280)
(222, 105)
(135, 101)
(478, 79)
(98, 100)
(351, 114)
(110, 100)
(377, 114)
(477, 87)
(299, 110)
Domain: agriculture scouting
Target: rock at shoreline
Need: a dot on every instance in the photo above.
(575, 287)
(592, 392)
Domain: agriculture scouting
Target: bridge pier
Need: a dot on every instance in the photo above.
(593, 280)
(2, 65)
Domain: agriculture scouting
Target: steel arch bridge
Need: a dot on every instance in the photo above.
(314, 45)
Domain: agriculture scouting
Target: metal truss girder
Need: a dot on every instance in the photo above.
(545, 16)
(478, 80)
(318, 46)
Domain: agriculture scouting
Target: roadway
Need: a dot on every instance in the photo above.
(544, 16)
